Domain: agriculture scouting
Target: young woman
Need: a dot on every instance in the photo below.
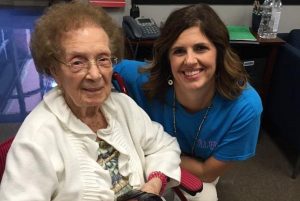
(197, 88)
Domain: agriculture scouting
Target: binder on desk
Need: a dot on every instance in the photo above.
(241, 34)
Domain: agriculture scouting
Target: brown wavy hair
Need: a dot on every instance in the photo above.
(231, 77)
(50, 28)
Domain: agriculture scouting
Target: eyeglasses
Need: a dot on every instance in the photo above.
(82, 64)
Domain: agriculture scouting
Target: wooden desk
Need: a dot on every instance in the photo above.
(273, 45)
(265, 48)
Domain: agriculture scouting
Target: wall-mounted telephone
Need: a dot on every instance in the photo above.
(140, 28)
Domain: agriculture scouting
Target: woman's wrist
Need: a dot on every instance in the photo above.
(163, 178)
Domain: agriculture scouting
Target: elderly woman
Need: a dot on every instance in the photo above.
(83, 142)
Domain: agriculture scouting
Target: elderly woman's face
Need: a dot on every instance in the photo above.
(92, 85)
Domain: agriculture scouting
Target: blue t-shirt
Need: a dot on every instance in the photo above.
(229, 133)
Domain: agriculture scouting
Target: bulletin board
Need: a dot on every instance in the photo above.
(220, 2)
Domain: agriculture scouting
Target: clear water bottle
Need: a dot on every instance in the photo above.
(271, 11)
(276, 12)
(266, 23)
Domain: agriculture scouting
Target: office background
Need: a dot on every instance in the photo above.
(230, 14)
(265, 177)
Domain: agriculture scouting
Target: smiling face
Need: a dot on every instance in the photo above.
(89, 87)
(193, 61)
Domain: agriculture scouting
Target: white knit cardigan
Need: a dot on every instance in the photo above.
(53, 157)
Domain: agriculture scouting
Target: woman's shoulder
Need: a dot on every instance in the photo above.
(129, 67)
(251, 97)
(249, 100)
(38, 126)
(43, 117)
(130, 70)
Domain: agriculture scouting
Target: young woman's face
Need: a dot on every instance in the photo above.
(90, 86)
(193, 60)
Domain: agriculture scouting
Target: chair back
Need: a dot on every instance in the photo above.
(4, 147)
(118, 83)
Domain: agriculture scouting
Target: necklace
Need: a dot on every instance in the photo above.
(199, 127)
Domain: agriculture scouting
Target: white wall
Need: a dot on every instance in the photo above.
(230, 14)
(234, 15)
